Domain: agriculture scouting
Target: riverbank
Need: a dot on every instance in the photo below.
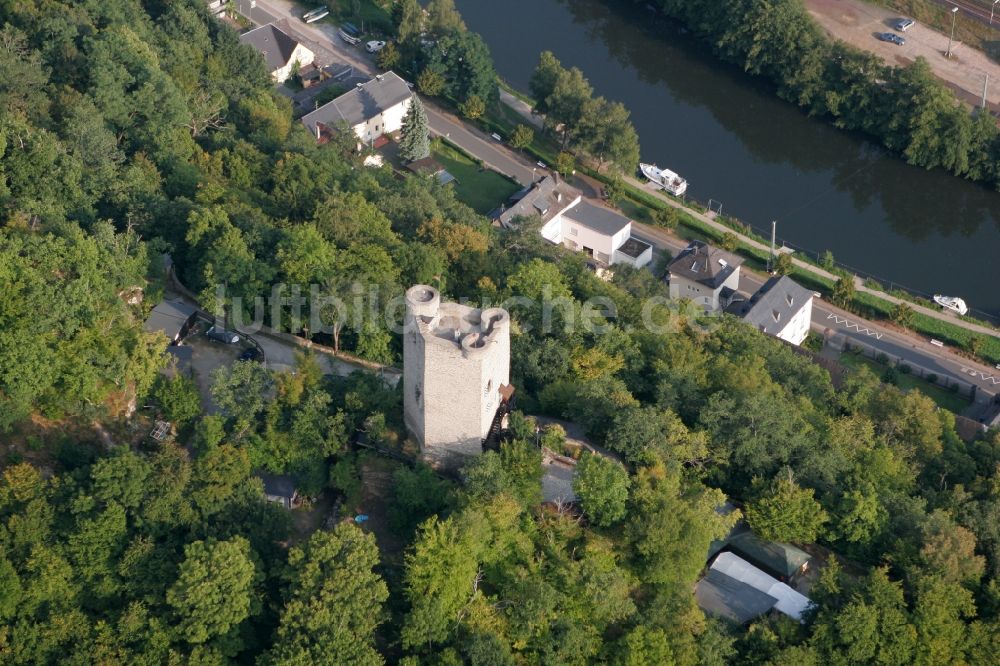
(978, 339)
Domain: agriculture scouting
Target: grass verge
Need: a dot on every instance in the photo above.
(944, 398)
(480, 188)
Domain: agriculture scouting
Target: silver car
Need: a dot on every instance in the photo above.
(905, 24)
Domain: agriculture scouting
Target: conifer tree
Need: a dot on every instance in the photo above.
(414, 140)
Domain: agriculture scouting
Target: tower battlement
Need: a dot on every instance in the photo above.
(455, 359)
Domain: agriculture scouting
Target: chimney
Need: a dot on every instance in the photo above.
(559, 196)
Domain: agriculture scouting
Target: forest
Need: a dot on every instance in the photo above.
(907, 109)
(131, 128)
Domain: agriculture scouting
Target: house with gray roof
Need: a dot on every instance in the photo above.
(547, 199)
(721, 595)
(782, 308)
(173, 318)
(603, 234)
(704, 274)
(280, 489)
(371, 109)
(281, 52)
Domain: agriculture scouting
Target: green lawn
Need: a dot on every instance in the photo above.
(373, 17)
(944, 398)
(482, 189)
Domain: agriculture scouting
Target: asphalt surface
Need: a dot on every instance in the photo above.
(827, 319)
(830, 320)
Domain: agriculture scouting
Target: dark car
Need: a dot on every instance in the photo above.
(222, 335)
(252, 354)
(891, 37)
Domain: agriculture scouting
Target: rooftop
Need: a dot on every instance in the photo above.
(634, 247)
(361, 104)
(703, 263)
(271, 42)
(781, 559)
(789, 602)
(169, 317)
(278, 485)
(546, 198)
(723, 596)
(597, 218)
(775, 303)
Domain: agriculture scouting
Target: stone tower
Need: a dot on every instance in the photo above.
(456, 370)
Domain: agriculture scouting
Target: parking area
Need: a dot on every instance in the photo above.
(205, 357)
(859, 23)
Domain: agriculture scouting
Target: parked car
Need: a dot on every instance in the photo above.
(252, 354)
(374, 46)
(891, 37)
(222, 335)
(905, 24)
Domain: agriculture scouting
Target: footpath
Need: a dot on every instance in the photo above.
(709, 220)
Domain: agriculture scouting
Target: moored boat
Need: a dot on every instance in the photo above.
(664, 178)
(953, 303)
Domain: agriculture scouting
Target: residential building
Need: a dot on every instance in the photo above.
(282, 53)
(280, 489)
(174, 318)
(567, 219)
(706, 275)
(600, 233)
(547, 199)
(723, 596)
(456, 374)
(782, 308)
(371, 110)
(788, 601)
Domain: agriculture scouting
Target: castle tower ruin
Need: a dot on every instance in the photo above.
(456, 371)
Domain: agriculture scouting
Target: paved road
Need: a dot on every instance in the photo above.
(913, 350)
(477, 143)
(830, 320)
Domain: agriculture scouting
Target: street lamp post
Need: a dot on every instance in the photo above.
(954, 15)
(993, 9)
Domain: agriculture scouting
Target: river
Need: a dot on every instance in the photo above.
(762, 158)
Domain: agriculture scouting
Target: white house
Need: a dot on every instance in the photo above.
(782, 308)
(281, 51)
(706, 275)
(567, 219)
(371, 110)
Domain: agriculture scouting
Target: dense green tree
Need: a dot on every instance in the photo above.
(178, 397)
(786, 512)
(602, 486)
(441, 578)
(521, 137)
(543, 80)
(414, 141)
(334, 601)
(212, 592)
(443, 18)
(673, 524)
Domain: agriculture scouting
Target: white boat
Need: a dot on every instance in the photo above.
(953, 303)
(664, 178)
(316, 14)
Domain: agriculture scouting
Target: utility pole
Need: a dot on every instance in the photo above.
(770, 259)
(986, 83)
(954, 15)
(993, 9)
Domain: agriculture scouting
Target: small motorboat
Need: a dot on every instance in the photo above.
(953, 303)
(664, 178)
